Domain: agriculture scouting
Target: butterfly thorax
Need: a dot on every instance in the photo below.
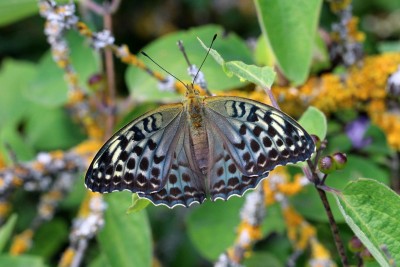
(197, 131)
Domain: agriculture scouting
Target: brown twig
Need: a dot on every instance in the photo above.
(102, 10)
(109, 68)
(332, 222)
(315, 179)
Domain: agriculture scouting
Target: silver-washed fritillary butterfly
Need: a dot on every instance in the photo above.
(215, 146)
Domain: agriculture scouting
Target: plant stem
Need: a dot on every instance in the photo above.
(332, 222)
(110, 74)
(271, 97)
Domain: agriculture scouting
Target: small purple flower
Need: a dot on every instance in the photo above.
(356, 129)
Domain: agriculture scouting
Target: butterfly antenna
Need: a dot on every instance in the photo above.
(180, 45)
(208, 52)
(146, 55)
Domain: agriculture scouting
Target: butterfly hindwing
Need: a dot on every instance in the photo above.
(225, 177)
(184, 186)
(258, 137)
(138, 157)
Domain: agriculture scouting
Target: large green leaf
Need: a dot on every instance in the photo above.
(15, 76)
(9, 135)
(290, 26)
(21, 261)
(166, 53)
(212, 225)
(6, 231)
(125, 239)
(49, 87)
(46, 247)
(100, 261)
(371, 209)
(13, 10)
(51, 128)
(257, 259)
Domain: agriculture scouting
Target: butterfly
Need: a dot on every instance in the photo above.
(215, 146)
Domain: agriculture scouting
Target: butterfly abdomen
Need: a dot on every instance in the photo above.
(198, 132)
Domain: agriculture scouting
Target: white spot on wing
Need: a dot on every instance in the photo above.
(278, 119)
(116, 154)
(114, 145)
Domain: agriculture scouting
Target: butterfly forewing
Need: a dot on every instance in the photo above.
(139, 156)
(257, 137)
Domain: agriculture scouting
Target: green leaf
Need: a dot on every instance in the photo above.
(389, 46)
(125, 239)
(6, 231)
(166, 53)
(21, 261)
(273, 222)
(257, 259)
(10, 135)
(263, 54)
(75, 197)
(379, 143)
(137, 204)
(290, 26)
(100, 261)
(263, 76)
(11, 11)
(314, 122)
(14, 10)
(223, 217)
(371, 209)
(339, 142)
(320, 57)
(49, 87)
(46, 247)
(51, 128)
(15, 76)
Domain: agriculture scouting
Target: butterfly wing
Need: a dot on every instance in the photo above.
(224, 176)
(138, 157)
(256, 137)
(184, 185)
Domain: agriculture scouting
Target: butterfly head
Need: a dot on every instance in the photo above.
(191, 91)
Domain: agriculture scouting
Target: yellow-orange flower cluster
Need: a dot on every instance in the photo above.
(279, 183)
(21, 242)
(363, 88)
(339, 5)
(300, 232)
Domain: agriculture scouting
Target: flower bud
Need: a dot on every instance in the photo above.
(326, 165)
(355, 245)
(340, 159)
(316, 140)
(96, 82)
(366, 255)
